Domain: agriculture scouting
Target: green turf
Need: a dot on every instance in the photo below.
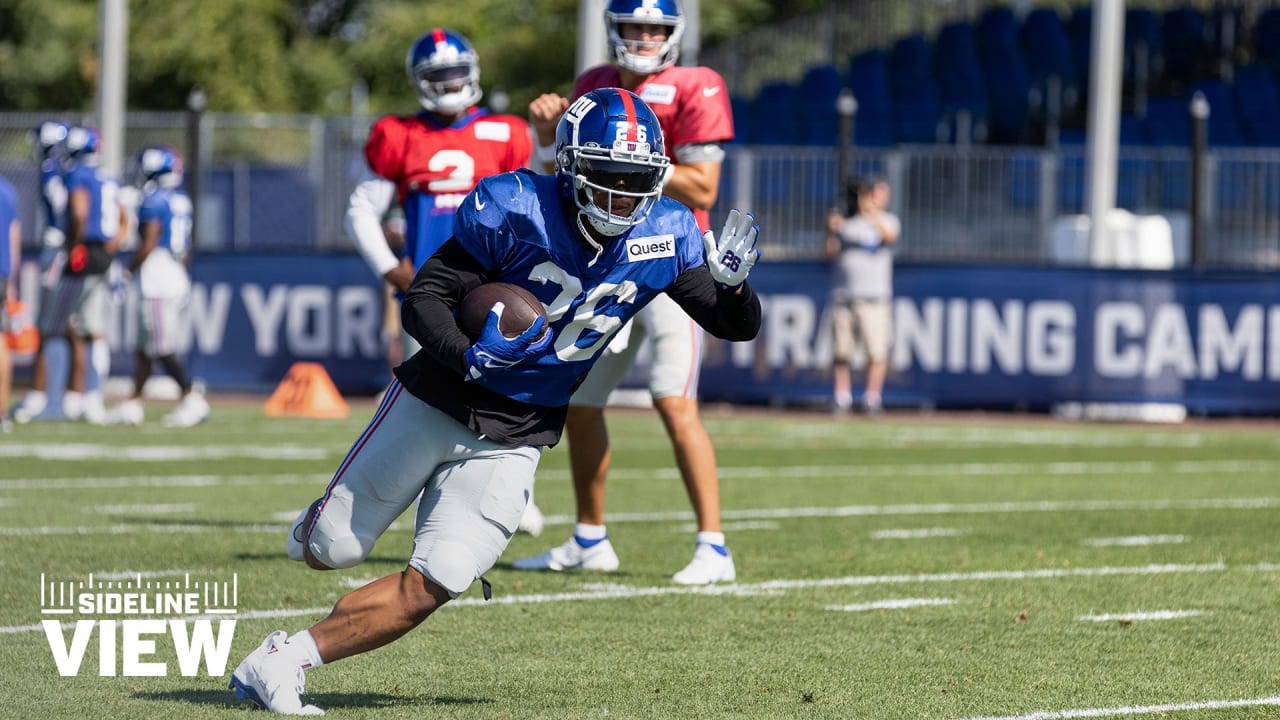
(1017, 507)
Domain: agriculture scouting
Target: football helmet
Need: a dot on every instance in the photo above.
(158, 164)
(444, 70)
(47, 140)
(82, 143)
(655, 12)
(609, 146)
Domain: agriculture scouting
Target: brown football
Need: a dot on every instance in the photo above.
(522, 309)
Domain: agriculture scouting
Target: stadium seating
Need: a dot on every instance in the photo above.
(993, 76)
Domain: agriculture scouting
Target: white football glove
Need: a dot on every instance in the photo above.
(731, 256)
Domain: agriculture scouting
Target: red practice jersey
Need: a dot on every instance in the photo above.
(434, 166)
(691, 103)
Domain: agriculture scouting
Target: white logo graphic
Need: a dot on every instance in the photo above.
(710, 91)
(651, 248)
(126, 639)
(658, 93)
(479, 205)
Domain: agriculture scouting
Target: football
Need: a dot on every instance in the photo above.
(522, 309)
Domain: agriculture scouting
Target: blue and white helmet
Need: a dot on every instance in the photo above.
(444, 70)
(649, 12)
(48, 140)
(609, 141)
(158, 164)
(82, 143)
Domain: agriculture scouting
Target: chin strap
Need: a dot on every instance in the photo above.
(586, 235)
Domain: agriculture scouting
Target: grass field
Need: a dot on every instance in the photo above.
(911, 567)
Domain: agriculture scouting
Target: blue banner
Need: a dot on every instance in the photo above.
(964, 336)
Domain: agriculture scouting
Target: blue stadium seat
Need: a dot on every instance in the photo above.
(1048, 48)
(869, 80)
(911, 65)
(1258, 104)
(1080, 31)
(818, 92)
(775, 115)
(1266, 36)
(1008, 85)
(958, 71)
(1184, 42)
(1132, 131)
(997, 33)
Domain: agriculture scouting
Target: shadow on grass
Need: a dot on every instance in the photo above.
(328, 701)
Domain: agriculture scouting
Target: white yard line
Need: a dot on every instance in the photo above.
(616, 592)
(903, 604)
(160, 481)
(160, 453)
(740, 526)
(1135, 710)
(917, 533)
(139, 509)
(1135, 616)
(758, 514)
(1135, 540)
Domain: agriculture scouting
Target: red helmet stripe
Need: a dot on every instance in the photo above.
(437, 35)
(630, 109)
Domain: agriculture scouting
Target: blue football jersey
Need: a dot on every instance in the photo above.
(8, 215)
(172, 209)
(104, 192)
(516, 225)
(53, 203)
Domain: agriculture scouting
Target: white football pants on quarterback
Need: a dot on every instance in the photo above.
(676, 361)
(475, 492)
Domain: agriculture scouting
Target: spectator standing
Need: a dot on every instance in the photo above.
(860, 249)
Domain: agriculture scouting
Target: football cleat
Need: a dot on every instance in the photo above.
(33, 403)
(269, 680)
(710, 564)
(574, 554)
(192, 411)
(532, 520)
(128, 412)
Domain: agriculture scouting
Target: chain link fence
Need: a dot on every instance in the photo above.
(280, 183)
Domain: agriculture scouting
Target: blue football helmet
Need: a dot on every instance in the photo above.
(82, 143)
(648, 12)
(444, 70)
(609, 147)
(48, 140)
(160, 165)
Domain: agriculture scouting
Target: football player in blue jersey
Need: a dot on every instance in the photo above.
(96, 224)
(44, 400)
(160, 265)
(10, 247)
(464, 422)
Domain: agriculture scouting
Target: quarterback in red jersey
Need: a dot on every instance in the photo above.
(692, 106)
(429, 161)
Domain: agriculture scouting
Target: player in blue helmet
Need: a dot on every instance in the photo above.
(160, 266)
(464, 423)
(96, 224)
(47, 141)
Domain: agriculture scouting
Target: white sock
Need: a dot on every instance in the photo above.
(589, 532)
(844, 400)
(73, 404)
(99, 366)
(711, 538)
(301, 647)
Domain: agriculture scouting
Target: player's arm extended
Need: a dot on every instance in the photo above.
(366, 206)
(728, 314)
(695, 181)
(445, 278)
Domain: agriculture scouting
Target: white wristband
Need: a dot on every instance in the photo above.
(544, 155)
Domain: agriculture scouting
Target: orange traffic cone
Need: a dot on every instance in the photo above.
(306, 391)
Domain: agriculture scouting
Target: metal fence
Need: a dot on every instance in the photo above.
(281, 183)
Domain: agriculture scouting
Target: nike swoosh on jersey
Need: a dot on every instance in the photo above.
(479, 205)
(709, 91)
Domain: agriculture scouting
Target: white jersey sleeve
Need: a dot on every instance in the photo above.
(368, 203)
